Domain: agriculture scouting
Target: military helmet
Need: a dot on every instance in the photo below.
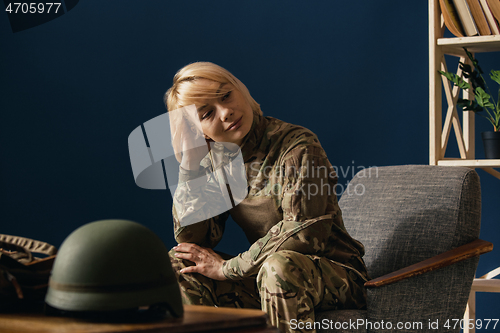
(112, 265)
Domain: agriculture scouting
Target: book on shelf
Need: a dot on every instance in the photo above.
(471, 17)
(465, 15)
(495, 8)
(451, 19)
(495, 28)
(478, 15)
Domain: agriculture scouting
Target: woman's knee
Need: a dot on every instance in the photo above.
(177, 263)
(284, 269)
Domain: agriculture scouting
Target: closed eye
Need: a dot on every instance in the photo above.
(226, 96)
(206, 115)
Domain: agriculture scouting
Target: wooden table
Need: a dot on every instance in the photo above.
(196, 319)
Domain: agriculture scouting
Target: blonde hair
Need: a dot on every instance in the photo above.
(184, 93)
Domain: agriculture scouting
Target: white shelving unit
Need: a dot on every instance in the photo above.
(464, 130)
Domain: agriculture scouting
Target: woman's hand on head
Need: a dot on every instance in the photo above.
(207, 262)
(192, 156)
(192, 151)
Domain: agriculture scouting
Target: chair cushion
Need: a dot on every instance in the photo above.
(423, 303)
(345, 321)
(405, 214)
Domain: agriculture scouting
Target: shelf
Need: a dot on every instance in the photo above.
(474, 44)
(470, 163)
(486, 165)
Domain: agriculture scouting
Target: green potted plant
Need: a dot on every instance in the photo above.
(481, 100)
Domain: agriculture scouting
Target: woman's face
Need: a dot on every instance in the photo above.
(227, 118)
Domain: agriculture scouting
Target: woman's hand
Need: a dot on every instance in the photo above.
(207, 261)
(188, 140)
(192, 150)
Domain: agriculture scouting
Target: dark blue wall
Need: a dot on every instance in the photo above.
(72, 90)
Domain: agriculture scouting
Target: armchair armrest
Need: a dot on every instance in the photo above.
(472, 249)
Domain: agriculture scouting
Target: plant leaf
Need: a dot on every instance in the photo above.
(456, 79)
(482, 98)
(466, 68)
(468, 105)
(495, 76)
(474, 61)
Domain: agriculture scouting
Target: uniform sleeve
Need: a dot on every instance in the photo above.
(189, 204)
(202, 199)
(310, 211)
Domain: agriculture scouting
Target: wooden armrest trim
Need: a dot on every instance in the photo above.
(447, 258)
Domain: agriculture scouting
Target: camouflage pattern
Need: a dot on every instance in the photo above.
(291, 208)
(289, 286)
(204, 193)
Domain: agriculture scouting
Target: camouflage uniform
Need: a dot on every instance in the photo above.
(301, 259)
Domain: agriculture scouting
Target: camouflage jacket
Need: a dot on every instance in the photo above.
(291, 203)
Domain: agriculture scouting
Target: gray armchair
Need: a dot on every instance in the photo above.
(420, 226)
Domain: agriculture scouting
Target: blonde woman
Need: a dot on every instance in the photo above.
(301, 258)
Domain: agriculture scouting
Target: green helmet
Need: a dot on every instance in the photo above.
(113, 265)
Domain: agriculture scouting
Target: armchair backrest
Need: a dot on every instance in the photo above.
(405, 214)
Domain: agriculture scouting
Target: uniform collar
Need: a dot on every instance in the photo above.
(253, 139)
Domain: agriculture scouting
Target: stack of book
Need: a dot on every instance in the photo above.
(471, 17)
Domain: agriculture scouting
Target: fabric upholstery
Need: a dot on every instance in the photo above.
(345, 321)
(406, 214)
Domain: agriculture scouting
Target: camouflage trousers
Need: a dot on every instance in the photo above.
(289, 287)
